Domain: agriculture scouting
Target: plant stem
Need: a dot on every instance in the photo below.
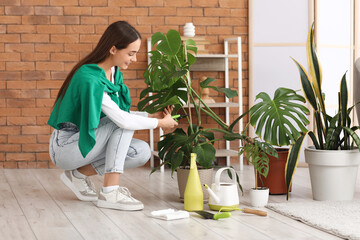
(256, 178)
(188, 86)
(216, 118)
(216, 129)
(211, 112)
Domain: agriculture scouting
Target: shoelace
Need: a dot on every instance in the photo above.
(89, 185)
(126, 193)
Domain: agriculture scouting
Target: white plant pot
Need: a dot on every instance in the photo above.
(332, 173)
(259, 197)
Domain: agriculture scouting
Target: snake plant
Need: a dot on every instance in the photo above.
(331, 132)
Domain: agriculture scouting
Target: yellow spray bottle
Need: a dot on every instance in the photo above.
(193, 196)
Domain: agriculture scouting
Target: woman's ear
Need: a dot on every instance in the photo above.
(113, 50)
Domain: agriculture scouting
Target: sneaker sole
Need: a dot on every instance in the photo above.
(69, 184)
(119, 206)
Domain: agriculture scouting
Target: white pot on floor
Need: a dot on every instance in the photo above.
(259, 196)
(332, 173)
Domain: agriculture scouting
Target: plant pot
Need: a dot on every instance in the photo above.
(206, 176)
(259, 196)
(332, 173)
(275, 179)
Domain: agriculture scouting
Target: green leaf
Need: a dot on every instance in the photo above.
(278, 121)
(343, 100)
(160, 104)
(231, 127)
(314, 140)
(174, 95)
(332, 138)
(191, 59)
(205, 155)
(170, 43)
(306, 86)
(177, 159)
(191, 45)
(145, 92)
(354, 136)
(209, 135)
(190, 42)
(268, 149)
(292, 161)
(156, 37)
(229, 93)
(206, 82)
(315, 68)
(237, 178)
(233, 136)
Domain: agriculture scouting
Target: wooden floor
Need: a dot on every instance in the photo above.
(35, 204)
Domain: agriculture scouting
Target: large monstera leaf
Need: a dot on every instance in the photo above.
(279, 121)
(174, 95)
(168, 44)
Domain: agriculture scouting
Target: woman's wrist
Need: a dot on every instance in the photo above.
(160, 123)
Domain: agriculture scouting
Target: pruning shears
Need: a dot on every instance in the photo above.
(178, 116)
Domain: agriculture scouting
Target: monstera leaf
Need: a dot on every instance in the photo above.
(180, 143)
(279, 121)
(174, 95)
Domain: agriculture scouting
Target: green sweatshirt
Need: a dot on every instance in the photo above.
(82, 101)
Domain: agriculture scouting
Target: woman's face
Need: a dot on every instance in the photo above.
(122, 58)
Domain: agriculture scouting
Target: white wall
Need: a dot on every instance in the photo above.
(278, 31)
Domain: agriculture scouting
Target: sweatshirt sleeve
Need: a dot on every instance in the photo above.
(124, 119)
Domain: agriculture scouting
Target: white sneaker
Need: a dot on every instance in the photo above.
(119, 199)
(83, 188)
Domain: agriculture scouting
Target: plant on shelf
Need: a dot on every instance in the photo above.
(169, 82)
(331, 132)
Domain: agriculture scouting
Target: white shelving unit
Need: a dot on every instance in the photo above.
(216, 62)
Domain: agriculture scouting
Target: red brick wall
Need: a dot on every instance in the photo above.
(41, 40)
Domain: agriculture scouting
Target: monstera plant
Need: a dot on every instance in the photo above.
(280, 122)
(169, 83)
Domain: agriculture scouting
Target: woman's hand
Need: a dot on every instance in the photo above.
(167, 122)
(159, 115)
(164, 118)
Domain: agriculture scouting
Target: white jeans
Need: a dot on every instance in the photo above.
(114, 151)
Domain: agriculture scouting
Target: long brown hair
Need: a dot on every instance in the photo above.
(119, 34)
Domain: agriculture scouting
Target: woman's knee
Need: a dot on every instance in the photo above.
(142, 151)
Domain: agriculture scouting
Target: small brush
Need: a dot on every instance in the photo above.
(216, 216)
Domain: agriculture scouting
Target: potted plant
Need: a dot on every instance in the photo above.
(279, 122)
(257, 153)
(169, 82)
(334, 159)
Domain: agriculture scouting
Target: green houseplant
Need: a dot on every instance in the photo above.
(257, 153)
(279, 122)
(332, 134)
(169, 82)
